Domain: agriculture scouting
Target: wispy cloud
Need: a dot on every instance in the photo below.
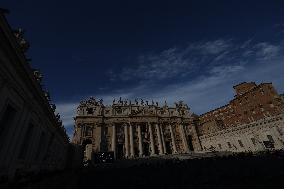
(266, 51)
(218, 70)
(211, 47)
(199, 56)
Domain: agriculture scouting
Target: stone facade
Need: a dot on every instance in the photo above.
(135, 129)
(32, 137)
(264, 134)
(252, 121)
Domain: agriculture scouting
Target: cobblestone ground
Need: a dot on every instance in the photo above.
(241, 171)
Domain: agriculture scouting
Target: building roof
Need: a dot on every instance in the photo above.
(237, 97)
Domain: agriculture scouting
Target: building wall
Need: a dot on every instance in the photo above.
(247, 137)
(31, 138)
(135, 129)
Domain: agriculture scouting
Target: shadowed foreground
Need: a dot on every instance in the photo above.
(246, 171)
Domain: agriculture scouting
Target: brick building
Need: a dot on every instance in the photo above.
(252, 102)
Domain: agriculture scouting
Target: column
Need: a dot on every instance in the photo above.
(184, 141)
(173, 140)
(32, 144)
(259, 144)
(131, 140)
(163, 138)
(151, 140)
(113, 147)
(159, 140)
(140, 141)
(198, 145)
(126, 143)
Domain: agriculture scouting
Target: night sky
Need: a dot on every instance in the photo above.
(193, 51)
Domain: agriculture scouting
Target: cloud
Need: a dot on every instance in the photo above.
(67, 111)
(211, 47)
(173, 62)
(194, 58)
(166, 64)
(266, 51)
(209, 89)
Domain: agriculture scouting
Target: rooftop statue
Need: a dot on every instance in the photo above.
(53, 107)
(38, 75)
(19, 34)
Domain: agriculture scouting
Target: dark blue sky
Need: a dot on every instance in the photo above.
(162, 50)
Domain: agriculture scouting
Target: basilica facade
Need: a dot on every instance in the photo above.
(136, 129)
(252, 121)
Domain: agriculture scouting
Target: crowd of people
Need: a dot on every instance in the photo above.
(239, 170)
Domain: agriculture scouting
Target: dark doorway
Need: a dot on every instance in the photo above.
(156, 149)
(146, 148)
(168, 147)
(85, 142)
(136, 151)
(119, 152)
(190, 145)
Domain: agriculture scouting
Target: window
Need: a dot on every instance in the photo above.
(119, 111)
(90, 110)
(229, 145)
(270, 138)
(88, 131)
(253, 141)
(241, 144)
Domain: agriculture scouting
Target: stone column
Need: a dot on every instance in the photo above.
(151, 140)
(113, 147)
(131, 140)
(259, 144)
(140, 141)
(161, 151)
(126, 143)
(198, 144)
(173, 140)
(163, 138)
(184, 141)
